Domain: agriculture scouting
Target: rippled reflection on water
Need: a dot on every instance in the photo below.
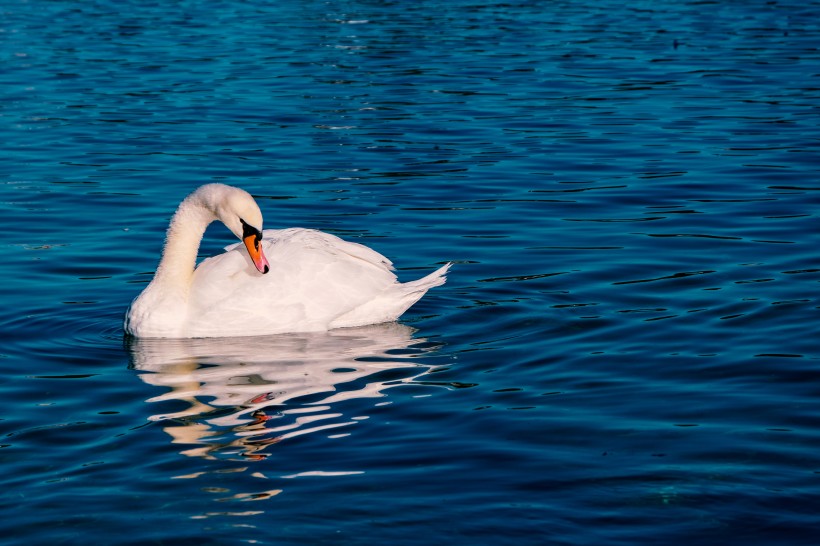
(241, 395)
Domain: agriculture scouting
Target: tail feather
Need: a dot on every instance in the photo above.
(436, 278)
(391, 304)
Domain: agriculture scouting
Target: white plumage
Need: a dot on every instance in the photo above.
(312, 281)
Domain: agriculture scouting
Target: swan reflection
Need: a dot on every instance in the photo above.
(241, 395)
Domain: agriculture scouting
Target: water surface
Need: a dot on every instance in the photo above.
(626, 351)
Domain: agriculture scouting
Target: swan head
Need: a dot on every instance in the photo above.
(235, 208)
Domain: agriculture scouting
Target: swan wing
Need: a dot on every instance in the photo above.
(314, 279)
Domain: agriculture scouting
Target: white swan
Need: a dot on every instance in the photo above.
(303, 280)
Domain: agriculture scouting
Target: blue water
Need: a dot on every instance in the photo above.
(626, 351)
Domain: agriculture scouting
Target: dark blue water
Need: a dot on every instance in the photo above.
(626, 351)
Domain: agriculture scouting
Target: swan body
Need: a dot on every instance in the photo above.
(278, 281)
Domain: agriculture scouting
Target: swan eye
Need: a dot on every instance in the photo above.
(250, 231)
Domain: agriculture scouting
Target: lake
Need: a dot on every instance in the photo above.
(626, 349)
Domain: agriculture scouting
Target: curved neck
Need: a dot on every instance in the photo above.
(182, 242)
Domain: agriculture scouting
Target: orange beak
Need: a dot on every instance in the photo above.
(252, 243)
